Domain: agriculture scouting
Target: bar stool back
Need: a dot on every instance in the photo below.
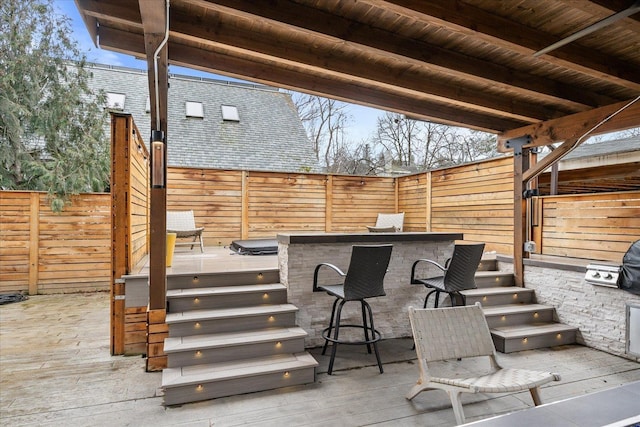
(364, 279)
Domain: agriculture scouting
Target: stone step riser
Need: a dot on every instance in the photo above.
(211, 390)
(230, 353)
(510, 345)
(204, 280)
(496, 321)
(232, 324)
(244, 299)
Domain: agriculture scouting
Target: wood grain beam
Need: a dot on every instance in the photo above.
(250, 37)
(575, 125)
(379, 41)
(333, 55)
(260, 69)
(508, 34)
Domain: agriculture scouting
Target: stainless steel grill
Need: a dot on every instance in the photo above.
(603, 275)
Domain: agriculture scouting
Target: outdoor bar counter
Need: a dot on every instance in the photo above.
(299, 254)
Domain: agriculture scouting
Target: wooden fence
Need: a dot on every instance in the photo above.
(591, 226)
(45, 252)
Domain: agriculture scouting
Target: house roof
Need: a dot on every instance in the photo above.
(605, 148)
(597, 167)
(269, 124)
(472, 63)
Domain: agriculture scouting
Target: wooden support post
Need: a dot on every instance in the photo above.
(154, 22)
(520, 165)
(34, 242)
(120, 226)
(157, 331)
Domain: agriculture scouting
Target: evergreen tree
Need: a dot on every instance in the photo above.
(51, 124)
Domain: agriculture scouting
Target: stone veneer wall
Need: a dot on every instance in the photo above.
(599, 312)
(390, 313)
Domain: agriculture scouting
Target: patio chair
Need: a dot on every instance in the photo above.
(388, 223)
(364, 279)
(184, 225)
(458, 274)
(458, 333)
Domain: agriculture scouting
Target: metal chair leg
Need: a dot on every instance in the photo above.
(336, 333)
(373, 332)
(333, 313)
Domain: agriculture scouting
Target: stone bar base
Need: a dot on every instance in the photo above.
(298, 256)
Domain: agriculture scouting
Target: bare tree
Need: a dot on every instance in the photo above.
(398, 135)
(325, 121)
(429, 145)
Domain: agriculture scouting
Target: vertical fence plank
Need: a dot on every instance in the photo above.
(34, 242)
(328, 209)
(244, 224)
(428, 202)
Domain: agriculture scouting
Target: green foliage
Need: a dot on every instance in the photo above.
(51, 124)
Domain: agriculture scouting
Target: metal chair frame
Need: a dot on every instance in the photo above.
(458, 274)
(364, 279)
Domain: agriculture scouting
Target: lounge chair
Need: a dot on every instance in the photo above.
(388, 223)
(184, 225)
(461, 332)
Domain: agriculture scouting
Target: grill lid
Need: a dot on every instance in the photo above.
(630, 270)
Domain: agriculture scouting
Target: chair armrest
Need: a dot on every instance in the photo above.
(315, 274)
(413, 268)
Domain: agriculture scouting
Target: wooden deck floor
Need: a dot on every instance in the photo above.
(55, 369)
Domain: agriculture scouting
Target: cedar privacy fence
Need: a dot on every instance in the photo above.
(44, 252)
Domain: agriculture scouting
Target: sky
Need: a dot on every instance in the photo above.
(363, 119)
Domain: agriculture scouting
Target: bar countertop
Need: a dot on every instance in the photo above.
(295, 238)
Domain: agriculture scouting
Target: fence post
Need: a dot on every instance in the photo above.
(34, 242)
(244, 225)
(428, 202)
(328, 204)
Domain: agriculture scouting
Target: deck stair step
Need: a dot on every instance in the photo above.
(492, 279)
(515, 320)
(518, 314)
(230, 333)
(215, 348)
(212, 321)
(500, 295)
(226, 296)
(228, 278)
(202, 382)
(508, 339)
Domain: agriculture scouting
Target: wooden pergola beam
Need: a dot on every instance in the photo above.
(259, 69)
(494, 29)
(572, 130)
(576, 125)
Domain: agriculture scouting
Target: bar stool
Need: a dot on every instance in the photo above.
(364, 279)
